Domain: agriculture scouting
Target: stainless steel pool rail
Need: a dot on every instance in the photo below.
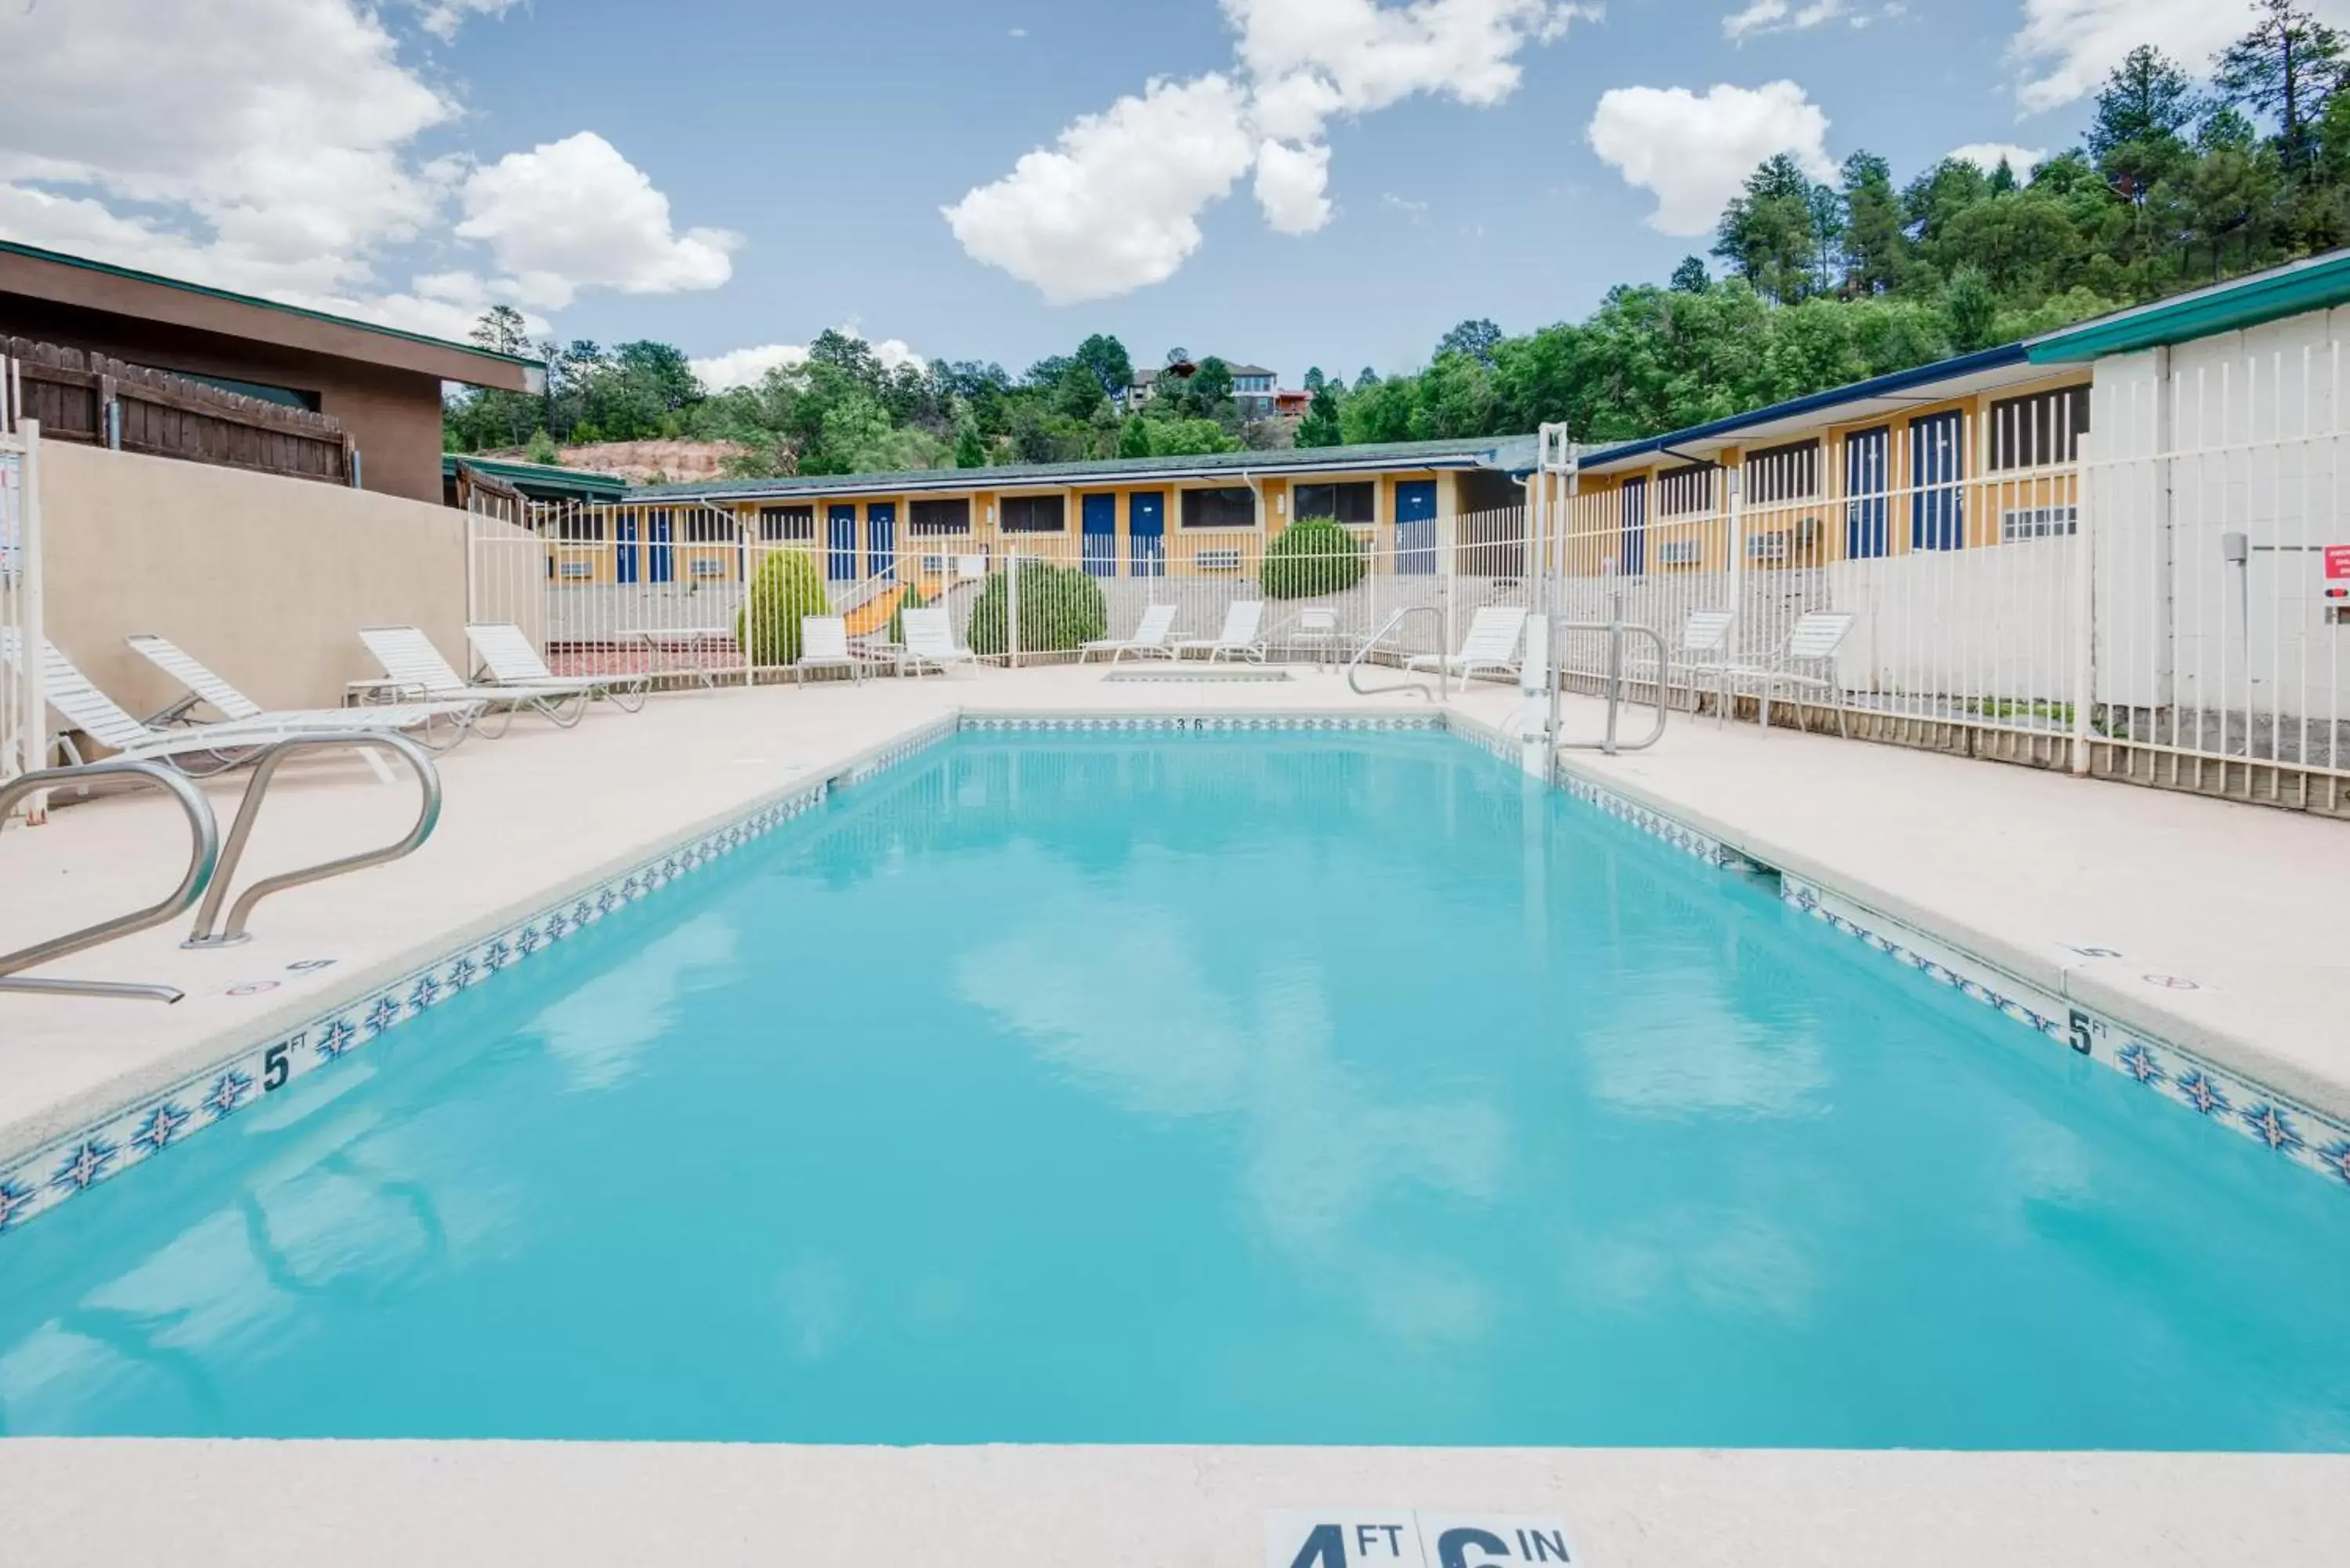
(1443, 670)
(428, 817)
(203, 860)
(1613, 682)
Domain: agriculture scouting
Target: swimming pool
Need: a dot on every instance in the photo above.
(1221, 1088)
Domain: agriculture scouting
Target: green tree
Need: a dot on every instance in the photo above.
(502, 330)
(2143, 113)
(1315, 379)
(970, 448)
(1061, 609)
(1320, 426)
(2286, 67)
(1970, 309)
(1106, 358)
(542, 448)
(1875, 246)
(1771, 233)
(1311, 556)
(1134, 437)
(1209, 389)
(1475, 339)
(787, 588)
(1691, 276)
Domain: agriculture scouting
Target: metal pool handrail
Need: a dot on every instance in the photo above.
(1443, 670)
(428, 817)
(1617, 631)
(203, 859)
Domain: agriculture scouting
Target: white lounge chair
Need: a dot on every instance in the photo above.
(824, 645)
(1814, 641)
(412, 667)
(1150, 635)
(222, 746)
(513, 661)
(206, 687)
(929, 640)
(1703, 652)
(1239, 640)
(1316, 633)
(1495, 637)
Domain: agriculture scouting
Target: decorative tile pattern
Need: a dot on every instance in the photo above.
(1680, 835)
(2308, 1138)
(1195, 723)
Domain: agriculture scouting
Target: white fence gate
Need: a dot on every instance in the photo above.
(24, 715)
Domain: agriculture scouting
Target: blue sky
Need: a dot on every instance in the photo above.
(730, 175)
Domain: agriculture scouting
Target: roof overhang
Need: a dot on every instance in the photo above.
(55, 278)
(1287, 464)
(2320, 283)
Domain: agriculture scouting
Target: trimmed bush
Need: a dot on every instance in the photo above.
(786, 586)
(1311, 556)
(1060, 608)
(910, 600)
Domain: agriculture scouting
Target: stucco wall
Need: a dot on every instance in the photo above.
(266, 579)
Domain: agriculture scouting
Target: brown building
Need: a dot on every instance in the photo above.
(383, 384)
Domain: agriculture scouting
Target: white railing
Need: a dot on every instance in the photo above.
(24, 715)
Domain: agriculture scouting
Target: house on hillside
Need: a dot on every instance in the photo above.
(1255, 387)
(93, 335)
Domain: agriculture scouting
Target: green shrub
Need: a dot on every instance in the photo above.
(1060, 608)
(1311, 556)
(911, 600)
(785, 587)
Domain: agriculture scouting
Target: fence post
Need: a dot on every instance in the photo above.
(2084, 605)
(32, 634)
(1737, 523)
(1012, 610)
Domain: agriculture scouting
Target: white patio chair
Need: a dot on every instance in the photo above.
(1316, 631)
(1703, 651)
(413, 667)
(929, 640)
(206, 687)
(1150, 635)
(1495, 640)
(823, 644)
(513, 661)
(1239, 640)
(222, 746)
(1814, 641)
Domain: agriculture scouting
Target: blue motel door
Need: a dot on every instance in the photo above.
(1416, 527)
(660, 561)
(624, 547)
(1867, 483)
(840, 556)
(1632, 549)
(1098, 515)
(1146, 532)
(882, 540)
(1938, 464)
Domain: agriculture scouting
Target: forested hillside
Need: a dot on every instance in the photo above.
(2181, 180)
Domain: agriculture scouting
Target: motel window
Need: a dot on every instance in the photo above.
(1353, 503)
(780, 523)
(1790, 473)
(1686, 492)
(576, 527)
(935, 515)
(1035, 514)
(1228, 506)
(2039, 429)
(707, 527)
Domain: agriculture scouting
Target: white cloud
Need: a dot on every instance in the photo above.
(1693, 151)
(2065, 47)
(1291, 186)
(749, 367)
(1415, 212)
(269, 146)
(443, 18)
(574, 213)
(1780, 16)
(1115, 205)
(1988, 156)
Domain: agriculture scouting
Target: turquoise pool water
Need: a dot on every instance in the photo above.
(1219, 1089)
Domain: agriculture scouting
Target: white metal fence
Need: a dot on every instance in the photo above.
(24, 718)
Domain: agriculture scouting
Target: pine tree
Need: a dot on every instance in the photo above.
(971, 452)
(1320, 426)
(2285, 68)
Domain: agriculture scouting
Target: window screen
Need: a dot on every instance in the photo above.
(1355, 503)
(2045, 428)
(1232, 506)
(1790, 473)
(779, 523)
(936, 517)
(1033, 513)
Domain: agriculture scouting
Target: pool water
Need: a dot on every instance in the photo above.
(1226, 1090)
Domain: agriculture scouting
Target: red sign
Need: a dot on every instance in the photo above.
(2337, 563)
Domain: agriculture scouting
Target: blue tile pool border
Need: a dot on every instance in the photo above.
(69, 1165)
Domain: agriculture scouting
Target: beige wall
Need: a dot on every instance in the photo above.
(266, 579)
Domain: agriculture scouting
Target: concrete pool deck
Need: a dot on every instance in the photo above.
(627, 1505)
(2236, 899)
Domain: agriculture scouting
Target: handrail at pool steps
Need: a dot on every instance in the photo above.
(203, 860)
(1615, 629)
(1355, 665)
(428, 817)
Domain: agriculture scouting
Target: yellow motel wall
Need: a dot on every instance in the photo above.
(584, 547)
(1811, 530)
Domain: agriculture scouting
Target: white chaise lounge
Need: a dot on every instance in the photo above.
(414, 667)
(1241, 638)
(1495, 637)
(437, 725)
(513, 661)
(929, 641)
(1150, 638)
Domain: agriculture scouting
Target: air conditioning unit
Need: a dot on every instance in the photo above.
(1217, 561)
(576, 569)
(711, 566)
(1680, 552)
(2038, 522)
(1768, 548)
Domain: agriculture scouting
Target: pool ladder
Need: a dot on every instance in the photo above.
(1443, 691)
(212, 867)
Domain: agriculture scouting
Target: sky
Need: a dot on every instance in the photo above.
(1292, 182)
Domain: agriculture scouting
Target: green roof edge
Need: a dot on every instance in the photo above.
(111, 270)
(506, 466)
(2316, 284)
